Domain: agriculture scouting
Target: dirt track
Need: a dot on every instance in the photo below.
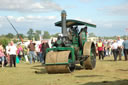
(107, 72)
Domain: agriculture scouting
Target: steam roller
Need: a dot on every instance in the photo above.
(71, 47)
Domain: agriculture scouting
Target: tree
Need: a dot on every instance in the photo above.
(30, 34)
(4, 41)
(46, 35)
(55, 35)
(92, 35)
(10, 35)
(15, 40)
(38, 32)
(37, 35)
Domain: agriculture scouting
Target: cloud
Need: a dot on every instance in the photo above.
(20, 19)
(107, 25)
(10, 17)
(30, 18)
(23, 23)
(29, 5)
(121, 10)
(0, 25)
(46, 23)
(110, 28)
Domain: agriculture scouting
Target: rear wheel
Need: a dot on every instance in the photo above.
(90, 53)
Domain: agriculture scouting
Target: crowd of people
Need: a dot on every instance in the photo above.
(36, 52)
(18, 52)
(116, 48)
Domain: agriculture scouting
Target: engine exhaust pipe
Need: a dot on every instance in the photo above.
(63, 20)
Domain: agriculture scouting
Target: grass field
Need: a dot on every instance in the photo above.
(107, 72)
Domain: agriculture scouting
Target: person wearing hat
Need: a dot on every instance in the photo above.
(100, 47)
(119, 43)
(125, 48)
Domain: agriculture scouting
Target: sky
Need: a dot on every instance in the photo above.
(110, 16)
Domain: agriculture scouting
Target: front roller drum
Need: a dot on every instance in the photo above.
(90, 52)
(57, 62)
(57, 69)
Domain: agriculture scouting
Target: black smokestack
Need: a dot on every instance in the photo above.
(63, 20)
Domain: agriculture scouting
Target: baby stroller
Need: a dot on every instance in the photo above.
(5, 61)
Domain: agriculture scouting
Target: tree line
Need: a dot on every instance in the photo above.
(31, 34)
(36, 34)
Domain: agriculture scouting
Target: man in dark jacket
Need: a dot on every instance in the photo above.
(44, 47)
(125, 48)
(31, 52)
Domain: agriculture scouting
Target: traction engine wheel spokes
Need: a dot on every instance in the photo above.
(57, 62)
(90, 52)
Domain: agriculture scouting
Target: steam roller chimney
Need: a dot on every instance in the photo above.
(63, 20)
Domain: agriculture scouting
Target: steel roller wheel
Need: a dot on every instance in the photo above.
(61, 58)
(90, 52)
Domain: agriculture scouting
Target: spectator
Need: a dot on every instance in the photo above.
(111, 47)
(119, 43)
(31, 51)
(2, 54)
(108, 48)
(7, 53)
(114, 49)
(20, 51)
(12, 53)
(105, 47)
(44, 47)
(105, 51)
(25, 54)
(40, 53)
(37, 49)
(125, 48)
(100, 47)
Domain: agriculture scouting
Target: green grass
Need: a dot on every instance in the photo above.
(107, 72)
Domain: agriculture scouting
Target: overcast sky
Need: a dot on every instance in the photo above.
(110, 16)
